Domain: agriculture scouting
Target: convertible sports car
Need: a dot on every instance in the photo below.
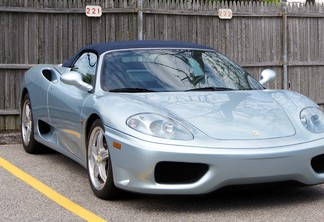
(162, 117)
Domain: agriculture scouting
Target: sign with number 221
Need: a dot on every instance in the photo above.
(93, 11)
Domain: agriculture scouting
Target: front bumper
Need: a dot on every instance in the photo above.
(134, 165)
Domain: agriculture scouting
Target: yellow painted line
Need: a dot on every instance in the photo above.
(49, 192)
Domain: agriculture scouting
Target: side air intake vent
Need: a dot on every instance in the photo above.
(43, 127)
(49, 74)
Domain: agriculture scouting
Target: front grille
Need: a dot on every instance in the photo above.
(318, 163)
(178, 172)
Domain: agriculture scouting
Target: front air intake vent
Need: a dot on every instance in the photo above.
(318, 163)
(179, 173)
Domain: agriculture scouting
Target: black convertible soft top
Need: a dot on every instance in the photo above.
(100, 48)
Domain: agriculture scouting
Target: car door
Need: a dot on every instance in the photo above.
(65, 105)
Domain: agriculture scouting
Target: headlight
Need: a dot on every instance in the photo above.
(313, 119)
(158, 126)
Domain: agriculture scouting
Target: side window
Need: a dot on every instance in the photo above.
(86, 65)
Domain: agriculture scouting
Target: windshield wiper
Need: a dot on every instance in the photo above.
(131, 90)
(210, 89)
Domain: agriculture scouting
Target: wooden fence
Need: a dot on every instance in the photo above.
(286, 38)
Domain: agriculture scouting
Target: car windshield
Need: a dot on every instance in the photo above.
(172, 70)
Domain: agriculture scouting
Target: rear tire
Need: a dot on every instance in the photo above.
(27, 127)
(99, 165)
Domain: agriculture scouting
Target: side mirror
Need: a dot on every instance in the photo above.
(267, 75)
(75, 79)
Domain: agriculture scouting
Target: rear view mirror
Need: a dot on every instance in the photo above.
(75, 79)
(267, 75)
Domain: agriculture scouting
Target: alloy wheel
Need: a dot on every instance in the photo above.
(98, 158)
(26, 122)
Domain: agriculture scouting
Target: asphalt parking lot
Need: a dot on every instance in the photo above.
(22, 202)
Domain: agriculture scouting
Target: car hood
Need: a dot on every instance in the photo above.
(242, 115)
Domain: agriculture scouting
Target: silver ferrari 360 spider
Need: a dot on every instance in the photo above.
(162, 117)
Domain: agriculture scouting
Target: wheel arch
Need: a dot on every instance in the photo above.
(93, 117)
(23, 94)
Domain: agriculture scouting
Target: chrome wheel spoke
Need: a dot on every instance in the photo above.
(102, 172)
(27, 134)
(104, 155)
(94, 152)
(26, 122)
(28, 112)
(100, 142)
(95, 170)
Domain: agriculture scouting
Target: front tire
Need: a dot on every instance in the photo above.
(27, 127)
(99, 164)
